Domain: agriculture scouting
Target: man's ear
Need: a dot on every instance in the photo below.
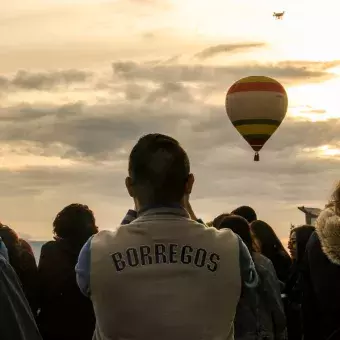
(189, 184)
(129, 186)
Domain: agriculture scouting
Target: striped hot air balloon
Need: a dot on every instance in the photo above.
(256, 106)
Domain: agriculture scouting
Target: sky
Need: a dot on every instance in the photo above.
(82, 80)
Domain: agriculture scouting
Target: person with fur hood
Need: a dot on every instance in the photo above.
(321, 302)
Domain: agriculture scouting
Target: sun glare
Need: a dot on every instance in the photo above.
(324, 151)
(315, 102)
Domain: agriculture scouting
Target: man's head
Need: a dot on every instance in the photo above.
(246, 212)
(75, 223)
(159, 171)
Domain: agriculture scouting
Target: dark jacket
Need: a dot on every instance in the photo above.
(260, 313)
(23, 262)
(27, 271)
(282, 264)
(321, 303)
(66, 314)
(17, 321)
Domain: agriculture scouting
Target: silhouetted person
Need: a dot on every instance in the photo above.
(298, 240)
(246, 212)
(260, 313)
(17, 321)
(164, 275)
(24, 264)
(66, 314)
(272, 248)
(321, 304)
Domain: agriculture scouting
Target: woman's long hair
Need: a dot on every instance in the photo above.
(303, 233)
(272, 248)
(270, 243)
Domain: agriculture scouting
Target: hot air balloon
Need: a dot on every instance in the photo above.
(256, 106)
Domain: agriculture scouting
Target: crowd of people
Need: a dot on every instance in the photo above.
(165, 274)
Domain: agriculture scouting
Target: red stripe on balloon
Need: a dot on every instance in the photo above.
(256, 143)
(256, 86)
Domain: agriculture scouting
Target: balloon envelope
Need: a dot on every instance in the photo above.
(256, 106)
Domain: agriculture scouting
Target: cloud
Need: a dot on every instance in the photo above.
(226, 48)
(43, 81)
(287, 71)
(105, 132)
(317, 111)
(78, 152)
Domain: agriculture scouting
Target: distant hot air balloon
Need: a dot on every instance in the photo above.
(256, 106)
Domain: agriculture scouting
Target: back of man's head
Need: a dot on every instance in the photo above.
(159, 169)
(246, 212)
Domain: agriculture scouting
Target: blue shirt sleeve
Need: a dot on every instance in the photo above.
(83, 268)
(249, 275)
(129, 217)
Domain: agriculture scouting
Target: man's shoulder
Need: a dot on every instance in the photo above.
(104, 236)
(49, 245)
(223, 239)
(222, 234)
(219, 238)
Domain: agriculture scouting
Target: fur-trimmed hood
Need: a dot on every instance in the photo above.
(328, 231)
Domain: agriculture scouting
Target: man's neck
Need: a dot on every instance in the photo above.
(146, 207)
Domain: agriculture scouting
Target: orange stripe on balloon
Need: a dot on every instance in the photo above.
(256, 86)
(257, 79)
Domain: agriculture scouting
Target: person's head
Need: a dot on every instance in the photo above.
(159, 171)
(12, 243)
(298, 240)
(266, 239)
(246, 212)
(239, 226)
(26, 246)
(75, 223)
(9, 237)
(217, 220)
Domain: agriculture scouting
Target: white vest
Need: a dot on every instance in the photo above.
(165, 277)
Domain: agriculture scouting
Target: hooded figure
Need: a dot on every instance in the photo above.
(321, 306)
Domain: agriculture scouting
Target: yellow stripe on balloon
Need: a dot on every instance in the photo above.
(256, 129)
(256, 79)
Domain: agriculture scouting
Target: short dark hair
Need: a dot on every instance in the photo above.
(241, 227)
(218, 220)
(159, 168)
(75, 222)
(246, 212)
(9, 236)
